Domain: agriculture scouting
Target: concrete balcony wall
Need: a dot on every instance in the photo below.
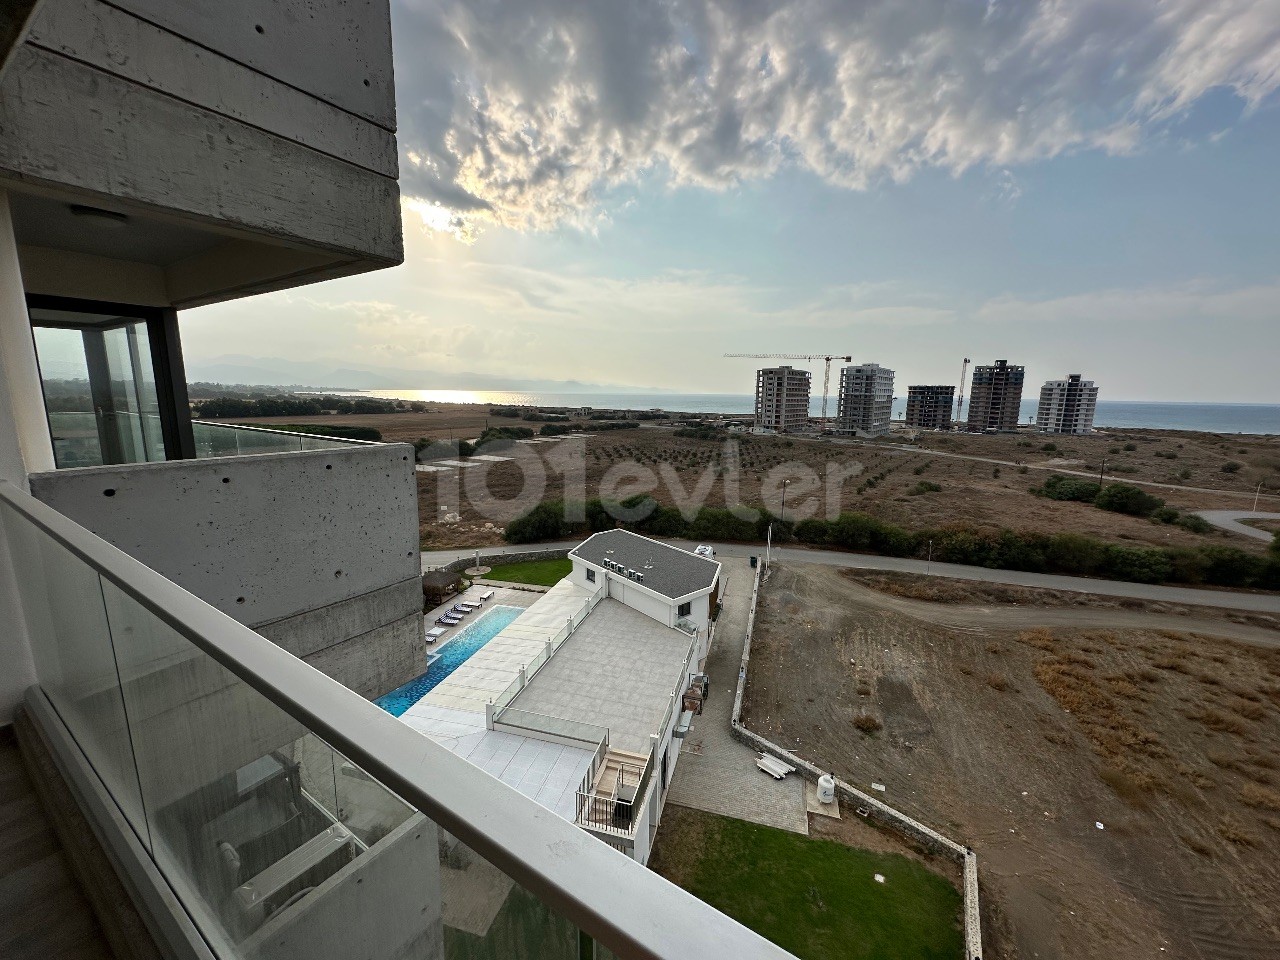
(251, 144)
(316, 551)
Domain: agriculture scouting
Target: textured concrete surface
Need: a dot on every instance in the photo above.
(619, 670)
(260, 537)
(715, 772)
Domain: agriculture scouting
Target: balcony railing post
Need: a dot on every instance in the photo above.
(523, 681)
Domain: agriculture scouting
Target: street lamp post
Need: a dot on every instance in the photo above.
(1101, 470)
(928, 567)
(783, 517)
(1257, 491)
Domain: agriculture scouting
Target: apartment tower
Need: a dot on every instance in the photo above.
(995, 397)
(866, 400)
(782, 400)
(1067, 406)
(929, 407)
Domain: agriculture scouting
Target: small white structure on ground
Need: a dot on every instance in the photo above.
(584, 700)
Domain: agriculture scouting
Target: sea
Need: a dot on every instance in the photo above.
(1256, 418)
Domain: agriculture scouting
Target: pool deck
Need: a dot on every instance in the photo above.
(452, 713)
(619, 670)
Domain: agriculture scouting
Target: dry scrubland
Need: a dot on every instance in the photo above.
(972, 492)
(1017, 738)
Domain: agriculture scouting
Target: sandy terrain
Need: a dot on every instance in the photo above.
(868, 477)
(1018, 738)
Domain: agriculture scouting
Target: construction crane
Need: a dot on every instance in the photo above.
(826, 377)
(964, 369)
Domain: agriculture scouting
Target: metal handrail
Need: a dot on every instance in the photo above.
(635, 914)
(287, 433)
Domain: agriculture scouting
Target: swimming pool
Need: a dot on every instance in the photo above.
(452, 655)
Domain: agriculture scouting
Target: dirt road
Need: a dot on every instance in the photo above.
(989, 620)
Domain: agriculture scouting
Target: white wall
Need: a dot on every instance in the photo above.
(24, 439)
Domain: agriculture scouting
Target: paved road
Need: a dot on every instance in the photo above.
(1229, 520)
(715, 772)
(1253, 602)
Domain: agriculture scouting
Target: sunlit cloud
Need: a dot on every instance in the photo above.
(527, 114)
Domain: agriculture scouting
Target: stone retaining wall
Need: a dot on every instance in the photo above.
(493, 559)
(875, 809)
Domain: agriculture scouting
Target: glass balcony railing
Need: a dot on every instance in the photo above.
(289, 816)
(234, 440)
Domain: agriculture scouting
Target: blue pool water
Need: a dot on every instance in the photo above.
(452, 655)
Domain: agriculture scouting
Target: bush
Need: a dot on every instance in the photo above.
(1137, 564)
(428, 449)
(1194, 523)
(498, 437)
(1049, 447)
(342, 433)
(1130, 447)
(1123, 498)
(924, 486)
(1231, 467)
(1059, 487)
(556, 429)
(1165, 515)
(546, 521)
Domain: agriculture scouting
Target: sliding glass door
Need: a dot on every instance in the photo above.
(108, 383)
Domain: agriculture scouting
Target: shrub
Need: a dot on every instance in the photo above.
(546, 521)
(924, 486)
(1231, 467)
(342, 433)
(1138, 564)
(1130, 447)
(1049, 447)
(498, 437)
(1060, 487)
(1194, 523)
(1165, 515)
(866, 722)
(1124, 498)
(428, 449)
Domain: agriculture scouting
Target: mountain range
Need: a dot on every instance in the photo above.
(276, 371)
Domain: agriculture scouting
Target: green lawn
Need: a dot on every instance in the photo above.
(544, 573)
(816, 898)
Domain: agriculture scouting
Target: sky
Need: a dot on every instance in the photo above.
(619, 193)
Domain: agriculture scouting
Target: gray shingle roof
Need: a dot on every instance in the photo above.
(667, 570)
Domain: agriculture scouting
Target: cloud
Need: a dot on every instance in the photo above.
(527, 113)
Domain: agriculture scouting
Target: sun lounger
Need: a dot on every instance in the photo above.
(435, 633)
(773, 766)
(457, 611)
(464, 605)
(487, 595)
(449, 621)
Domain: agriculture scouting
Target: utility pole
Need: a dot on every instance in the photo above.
(1101, 470)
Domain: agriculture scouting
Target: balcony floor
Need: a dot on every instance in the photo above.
(43, 913)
